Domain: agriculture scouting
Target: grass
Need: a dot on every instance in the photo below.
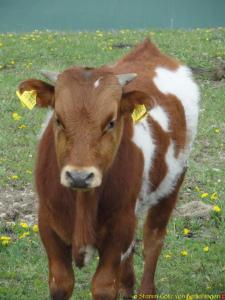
(23, 271)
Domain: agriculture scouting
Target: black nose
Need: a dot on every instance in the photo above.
(79, 179)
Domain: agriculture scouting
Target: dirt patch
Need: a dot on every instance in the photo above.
(194, 209)
(21, 205)
(18, 205)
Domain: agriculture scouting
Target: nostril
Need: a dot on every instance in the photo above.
(89, 176)
(68, 174)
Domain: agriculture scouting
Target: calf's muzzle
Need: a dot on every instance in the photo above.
(81, 178)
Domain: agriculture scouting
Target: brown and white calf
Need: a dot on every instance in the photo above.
(97, 170)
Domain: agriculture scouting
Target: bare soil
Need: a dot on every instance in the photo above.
(18, 205)
(21, 205)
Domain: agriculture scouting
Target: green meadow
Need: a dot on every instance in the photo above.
(193, 259)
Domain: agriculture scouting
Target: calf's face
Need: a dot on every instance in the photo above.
(87, 121)
(87, 126)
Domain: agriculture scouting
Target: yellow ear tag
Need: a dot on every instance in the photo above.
(139, 112)
(28, 98)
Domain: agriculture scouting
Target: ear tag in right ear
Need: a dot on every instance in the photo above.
(139, 112)
(28, 98)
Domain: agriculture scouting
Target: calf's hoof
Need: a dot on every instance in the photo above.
(103, 297)
(145, 293)
(59, 295)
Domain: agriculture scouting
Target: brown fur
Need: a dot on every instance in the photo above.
(103, 217)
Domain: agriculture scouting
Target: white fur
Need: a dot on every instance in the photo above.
(175, 167)
(143, 139)
(44, 125)
(88, 251)
(97, 82)
(181, 84)
(126, 254)
(159, 114)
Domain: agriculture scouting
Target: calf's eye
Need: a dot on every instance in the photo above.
(110, 126)
(58, 123)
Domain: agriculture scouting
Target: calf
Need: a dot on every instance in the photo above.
(99, 167)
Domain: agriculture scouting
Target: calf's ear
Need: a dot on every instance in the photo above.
(131, 99)
(44, 91)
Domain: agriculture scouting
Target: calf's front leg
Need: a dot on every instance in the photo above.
(127, 277)
(61, 275)
(105, 283)
(110, 276)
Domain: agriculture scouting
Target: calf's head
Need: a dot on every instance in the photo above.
(89, 107)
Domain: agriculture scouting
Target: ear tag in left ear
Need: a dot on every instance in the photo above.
(28, 98)
(139, 112)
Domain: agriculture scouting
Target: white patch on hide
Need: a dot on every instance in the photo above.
(142, 138)
(181, 84)
(160, 115)
(88, 251)
(97, 83)
(44, 125)
(126, 254)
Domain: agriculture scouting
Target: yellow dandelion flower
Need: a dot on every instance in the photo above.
(184, 253)
(16, 116)
(204, 195)
(29, 65)
(167, 256)
(214, 196)
(25, 234)
(12, 62)
(14, 177)
(206, 249)
(24, 225)
(216, 208)
(5, 238)
(22, 126)
(28, 171)
(217, 130)
(197, 189)
(5, 243)
(35, 228)
(186, 231)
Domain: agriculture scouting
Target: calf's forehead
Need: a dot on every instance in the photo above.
(92, 91)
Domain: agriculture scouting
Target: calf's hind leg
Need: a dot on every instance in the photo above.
(154, 233)
(61, 276)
